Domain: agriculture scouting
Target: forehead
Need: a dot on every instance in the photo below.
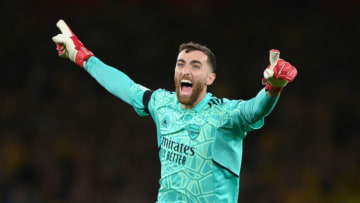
(193, 55)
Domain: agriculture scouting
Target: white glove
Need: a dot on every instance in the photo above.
(69, 46)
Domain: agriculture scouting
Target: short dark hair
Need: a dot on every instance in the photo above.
(192, 46)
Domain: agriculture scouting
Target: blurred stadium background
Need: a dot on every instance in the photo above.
(63, 138)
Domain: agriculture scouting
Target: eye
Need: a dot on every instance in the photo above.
(196, 67)
(180, 65)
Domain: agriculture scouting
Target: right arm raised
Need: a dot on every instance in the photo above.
(113, 80)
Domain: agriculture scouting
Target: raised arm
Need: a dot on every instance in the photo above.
(113, 80)
(255, 109)
(276, 76)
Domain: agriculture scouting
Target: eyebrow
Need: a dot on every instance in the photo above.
(191, 62)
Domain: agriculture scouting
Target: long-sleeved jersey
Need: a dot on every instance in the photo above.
(200, 149)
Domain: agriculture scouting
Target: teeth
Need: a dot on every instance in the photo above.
(186, 81)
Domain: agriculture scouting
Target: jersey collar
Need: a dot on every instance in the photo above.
(199, 107)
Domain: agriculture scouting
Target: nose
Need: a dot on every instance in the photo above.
(186, 70)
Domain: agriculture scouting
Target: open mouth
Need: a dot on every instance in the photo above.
(186, 87)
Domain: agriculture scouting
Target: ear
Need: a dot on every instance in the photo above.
(211, 78)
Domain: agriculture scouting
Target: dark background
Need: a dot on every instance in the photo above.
(63, 138)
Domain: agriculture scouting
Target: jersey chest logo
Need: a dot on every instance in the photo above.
(193, 131)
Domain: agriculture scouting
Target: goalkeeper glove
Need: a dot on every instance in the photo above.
(278, 73)
(69, 46)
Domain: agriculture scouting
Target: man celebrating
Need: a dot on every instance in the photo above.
(199, 136)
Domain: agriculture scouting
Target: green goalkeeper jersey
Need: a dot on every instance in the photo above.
(200, 149)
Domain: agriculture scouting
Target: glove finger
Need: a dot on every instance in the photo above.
(279, 68)
(59, 47)
(290, 76)
(62, 53)
(273, 57)
(62, 45)
(287, 72)
(64, 28)
(60, 38)
(268, 73)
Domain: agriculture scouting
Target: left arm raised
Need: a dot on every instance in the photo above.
(258, 107)
(276, 77)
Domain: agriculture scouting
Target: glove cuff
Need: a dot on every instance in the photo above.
(82, 56)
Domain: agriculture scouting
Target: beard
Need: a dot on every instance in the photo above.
(189, 100)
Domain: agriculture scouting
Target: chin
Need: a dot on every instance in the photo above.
(190, 99)
(183, 99)
(186, 100)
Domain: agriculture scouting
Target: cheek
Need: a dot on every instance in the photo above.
(199, 82)
(176, 76)
(176, 72)
(204, 79)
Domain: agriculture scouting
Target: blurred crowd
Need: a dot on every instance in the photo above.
(63, 138)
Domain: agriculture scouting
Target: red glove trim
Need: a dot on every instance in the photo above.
(83, 54)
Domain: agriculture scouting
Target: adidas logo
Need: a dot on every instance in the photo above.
(164, 122)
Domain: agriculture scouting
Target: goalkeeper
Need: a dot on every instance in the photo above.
(199, 136)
